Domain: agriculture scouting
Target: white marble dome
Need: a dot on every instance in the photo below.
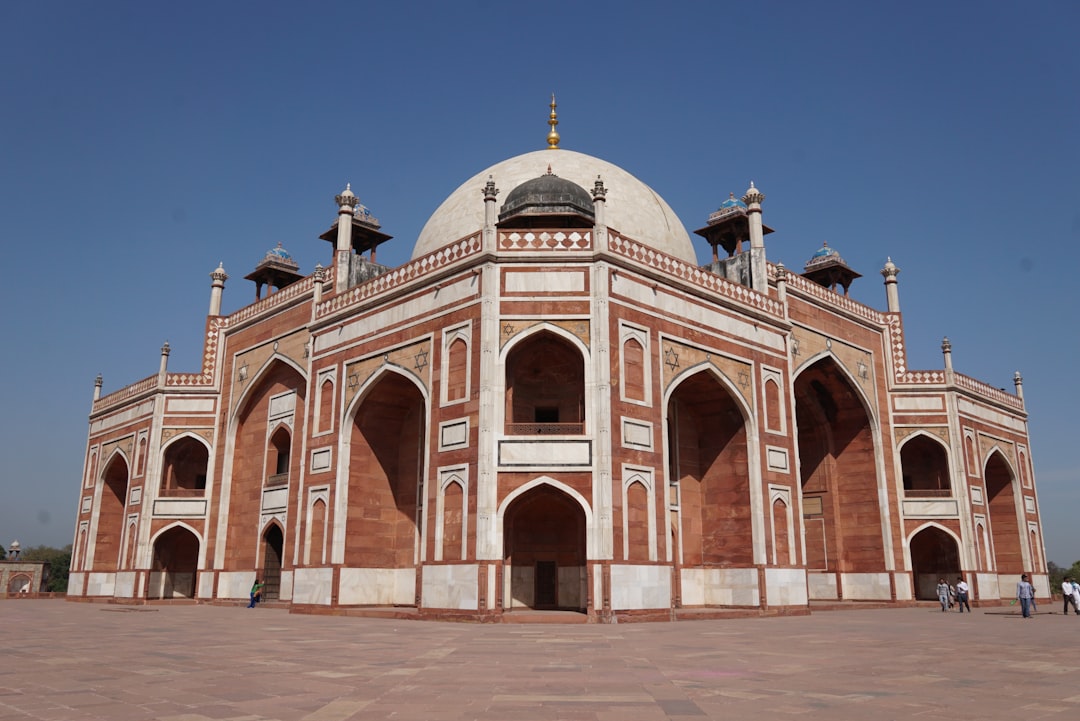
(633, 208)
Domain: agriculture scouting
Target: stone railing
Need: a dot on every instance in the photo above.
(182, 493)
(278, 479)
(692, 274)
(985, 389)
(550, 240)
(418, 268)
(291, 292)
(545, 429)
(808, 287)
(126, 393)
(928, 493)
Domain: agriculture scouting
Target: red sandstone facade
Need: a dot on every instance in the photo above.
(549, 411)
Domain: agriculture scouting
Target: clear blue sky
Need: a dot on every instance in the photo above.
(144, 143)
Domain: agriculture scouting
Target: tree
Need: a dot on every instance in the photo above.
(59, 560)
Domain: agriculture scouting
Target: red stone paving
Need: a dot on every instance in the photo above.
(78, 661)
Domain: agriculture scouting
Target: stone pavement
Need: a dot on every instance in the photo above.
(61, 660)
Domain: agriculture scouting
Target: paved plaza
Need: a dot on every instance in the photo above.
(61, 660)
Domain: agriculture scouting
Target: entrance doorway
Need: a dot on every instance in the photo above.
(271, 573)
(544, 537)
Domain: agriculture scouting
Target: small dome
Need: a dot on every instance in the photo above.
(732, 202)
(824, 252)
(547, 195)
(278, 252)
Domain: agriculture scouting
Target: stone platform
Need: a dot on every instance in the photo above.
(80, 661)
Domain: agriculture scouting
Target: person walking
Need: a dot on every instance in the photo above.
(943, 593)
(256, 592)
(962, 594)
(1067, 595)
(1076, 596)
(1025, 592)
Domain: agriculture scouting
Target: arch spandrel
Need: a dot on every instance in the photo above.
(938, 433)
(511, 329)
(124, 446)
(807, 347)
(414, 360)
(1007, 449)
(677, 358)
(168, 435)
(291, 348)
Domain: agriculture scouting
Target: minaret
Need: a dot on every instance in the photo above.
(97, 386)
(553, 120)
(317, 283)
(892, 293)
(599, 198)
(343, 249)
(490, 215)
(759, 279)
(217, 285)
(1018, 381)
(164, 365)
(946, 350)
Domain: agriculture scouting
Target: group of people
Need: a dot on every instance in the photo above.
(1025, 593)
(954, 595)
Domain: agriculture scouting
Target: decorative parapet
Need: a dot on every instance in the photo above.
(210, 353)
(693, 274)
(125, 394)
(921, 377)
(281, 297)
(418, 268)
(831, 297)
(517, 240)
(984, 389)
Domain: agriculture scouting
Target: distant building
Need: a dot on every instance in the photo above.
(552, 405)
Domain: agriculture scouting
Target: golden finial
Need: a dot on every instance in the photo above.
(553, 136)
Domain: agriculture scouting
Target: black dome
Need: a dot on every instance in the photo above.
(548, 195)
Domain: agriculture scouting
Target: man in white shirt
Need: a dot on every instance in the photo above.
(1068, 588)
(962, 594)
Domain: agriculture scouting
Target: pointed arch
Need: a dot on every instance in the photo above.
(543, 532)
(841, 470)
(255, 380)
(545, 371)
(924, 465)
(709, 432)
(382, 465)
(933, 553)
(1004, 512)
(183, 470)
(110, 518)
(177, 555)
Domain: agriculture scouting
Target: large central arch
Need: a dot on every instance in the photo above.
(841, 503)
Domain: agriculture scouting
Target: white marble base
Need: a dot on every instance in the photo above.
(786, 587)
(313, 586)
(720, 587)
(451, 586)
(377, 587)
(76, 583)
(101, 584)
(866, 586)
(640, 587)
(235, 584)
(822, 586)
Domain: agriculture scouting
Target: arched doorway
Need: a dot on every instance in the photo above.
(273, 400)
(841, 509)
(110, 517)
(544, 551)
(1005, 529)
(934, 555)
(386, 452)
(709, 460)
(273, 546)
(175, 565)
